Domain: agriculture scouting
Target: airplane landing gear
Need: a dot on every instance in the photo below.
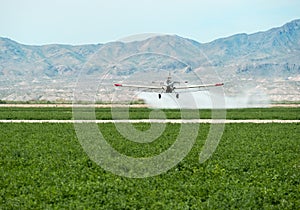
(159, 95)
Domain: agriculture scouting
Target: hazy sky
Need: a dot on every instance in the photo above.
(97, 21)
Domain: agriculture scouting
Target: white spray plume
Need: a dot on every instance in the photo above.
(204, 100)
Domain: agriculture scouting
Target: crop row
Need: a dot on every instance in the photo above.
(143, 113)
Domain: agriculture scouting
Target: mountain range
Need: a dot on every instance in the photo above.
(265, 62)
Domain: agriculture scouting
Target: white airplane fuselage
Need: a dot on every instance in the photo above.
(169, 88)
(169, 85)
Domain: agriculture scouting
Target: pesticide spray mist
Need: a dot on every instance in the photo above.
(203, 100)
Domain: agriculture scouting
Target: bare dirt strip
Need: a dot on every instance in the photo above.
(175, 121)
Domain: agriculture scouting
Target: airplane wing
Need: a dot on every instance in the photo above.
(200, 86)
(139, 86)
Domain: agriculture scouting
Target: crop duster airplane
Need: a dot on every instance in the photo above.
(169, 86)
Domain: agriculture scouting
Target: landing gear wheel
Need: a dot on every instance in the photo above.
(159, 96)
(177, 95)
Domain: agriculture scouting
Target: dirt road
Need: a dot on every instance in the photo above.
(211, 121)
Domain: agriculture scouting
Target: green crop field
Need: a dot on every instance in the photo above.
(255, 166)
(141, 113)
